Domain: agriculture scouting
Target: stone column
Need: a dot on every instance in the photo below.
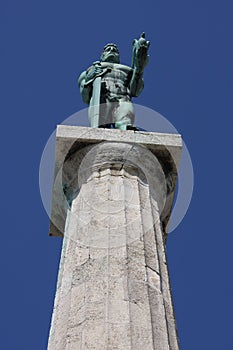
(113, 287)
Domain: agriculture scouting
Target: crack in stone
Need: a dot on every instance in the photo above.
(153, 270)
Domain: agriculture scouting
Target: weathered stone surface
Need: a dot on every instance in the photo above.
(113, 288)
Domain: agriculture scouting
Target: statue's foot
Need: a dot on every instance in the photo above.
(121, 126)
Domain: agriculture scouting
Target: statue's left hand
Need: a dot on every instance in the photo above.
(140, 53)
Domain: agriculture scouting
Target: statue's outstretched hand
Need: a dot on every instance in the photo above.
(140, 53)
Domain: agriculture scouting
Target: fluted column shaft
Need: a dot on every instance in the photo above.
(113, 287)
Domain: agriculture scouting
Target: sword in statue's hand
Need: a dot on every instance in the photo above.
(94, 108)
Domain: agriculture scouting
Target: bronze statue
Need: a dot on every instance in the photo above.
(108, 86)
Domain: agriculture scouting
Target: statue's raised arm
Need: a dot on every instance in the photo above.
(140, 53)
(139, 61)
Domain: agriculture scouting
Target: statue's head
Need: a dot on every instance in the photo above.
(110, 54)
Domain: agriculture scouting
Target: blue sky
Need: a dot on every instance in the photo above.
(44, 47)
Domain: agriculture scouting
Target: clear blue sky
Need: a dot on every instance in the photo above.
(44, 47)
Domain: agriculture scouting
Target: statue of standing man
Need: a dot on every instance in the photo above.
(108, 86)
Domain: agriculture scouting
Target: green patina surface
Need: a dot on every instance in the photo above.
(108, 86)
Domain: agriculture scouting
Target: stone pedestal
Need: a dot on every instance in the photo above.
(112, 197)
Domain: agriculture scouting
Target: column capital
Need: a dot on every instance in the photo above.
(83, 151)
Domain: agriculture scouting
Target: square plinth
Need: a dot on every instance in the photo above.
(166, 147)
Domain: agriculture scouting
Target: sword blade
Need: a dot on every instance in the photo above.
(95, 103)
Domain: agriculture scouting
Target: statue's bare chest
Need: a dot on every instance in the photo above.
(117, 72)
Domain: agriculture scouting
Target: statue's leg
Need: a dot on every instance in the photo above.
(124, 115)
(105, 113)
